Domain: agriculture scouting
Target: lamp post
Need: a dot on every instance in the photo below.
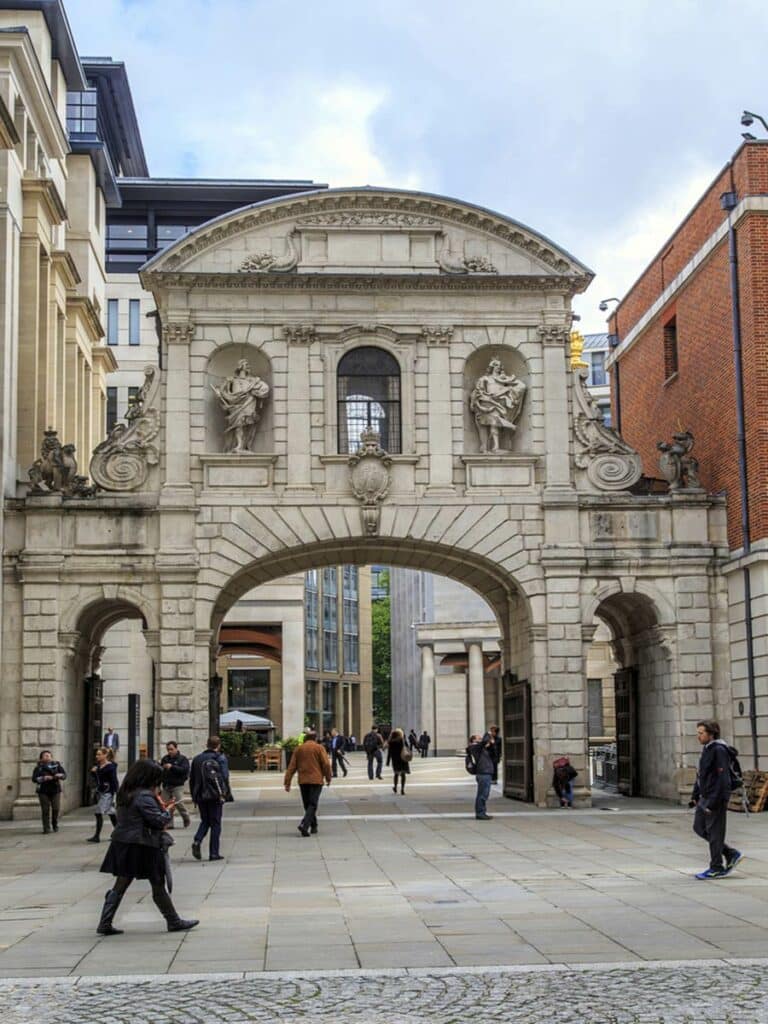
(214, 703)
(748, 118)
(613, 341)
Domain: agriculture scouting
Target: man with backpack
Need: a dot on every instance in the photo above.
(209, 786)
(372, 745)
(480, 760)
(717, 776)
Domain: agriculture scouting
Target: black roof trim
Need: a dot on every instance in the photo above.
(64, 49)
(116, 106)
(93, 146)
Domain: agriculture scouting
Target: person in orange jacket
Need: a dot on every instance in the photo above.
(311, 762)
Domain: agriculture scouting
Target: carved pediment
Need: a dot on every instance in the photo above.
(367, 231)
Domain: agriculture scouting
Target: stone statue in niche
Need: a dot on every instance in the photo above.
(496, 402)
(242, 397)
(676, 463)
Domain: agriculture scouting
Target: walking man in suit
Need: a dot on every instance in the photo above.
(111, 740)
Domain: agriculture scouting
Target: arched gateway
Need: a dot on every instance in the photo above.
(440, 332)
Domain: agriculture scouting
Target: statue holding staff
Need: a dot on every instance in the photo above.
(242, 397)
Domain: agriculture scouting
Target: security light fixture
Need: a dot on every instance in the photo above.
(604, 304)
(748, 136)
(748, 118)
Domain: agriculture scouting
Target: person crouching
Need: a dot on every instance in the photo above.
(139, 846)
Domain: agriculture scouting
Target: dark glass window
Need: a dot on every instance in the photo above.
(368, 396)
(249, 689)
(167, 234)
(113, 310)
(311, 620)
(329, 704)
(351, 620)
(126, 237)
(330, 621)
(596, 376)
(311, 709)
(670, 348)
(82, 110)
(134, 326)
(111, 408)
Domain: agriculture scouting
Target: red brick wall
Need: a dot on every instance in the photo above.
(702, 395)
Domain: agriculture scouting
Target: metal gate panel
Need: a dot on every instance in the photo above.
(625, 681)
(518, 739)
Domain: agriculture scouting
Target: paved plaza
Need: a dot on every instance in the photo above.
(408, 902)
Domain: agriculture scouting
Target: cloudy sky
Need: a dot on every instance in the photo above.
(597, 123)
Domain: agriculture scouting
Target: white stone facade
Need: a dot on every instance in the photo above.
(527, 528)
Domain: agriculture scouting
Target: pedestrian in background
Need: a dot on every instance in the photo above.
(175, 773)
(373, 743)
(480, 760)
(424, 740)
(338, 743)
(311, 762)
(111, 740)
(399, 756)
(209, 785)
(710, 796)
(48, 777)
(139, 847)
(413, 740)
(105, 784)
(562, 781)
(496, 733)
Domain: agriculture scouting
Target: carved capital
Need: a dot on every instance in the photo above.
(553, 335)
(437, 335)
(300, 334)
(176, 333)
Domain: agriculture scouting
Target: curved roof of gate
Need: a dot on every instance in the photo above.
(320, 232)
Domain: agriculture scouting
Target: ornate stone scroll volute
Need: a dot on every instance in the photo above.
(677, 465)
(121, 463)
(610, 463)
(370, 476)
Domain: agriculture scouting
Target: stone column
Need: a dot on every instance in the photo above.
(476, 687)
(177, 386)
(299, 461)
(30, 302)
(555, 341)
(439, 390)
(293, 677)
(428, 690)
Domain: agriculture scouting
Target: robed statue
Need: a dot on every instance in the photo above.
(496, 402)
(242, 397)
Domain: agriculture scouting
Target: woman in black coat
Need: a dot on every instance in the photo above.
(105, 782)
(139, 846)
(399, 754)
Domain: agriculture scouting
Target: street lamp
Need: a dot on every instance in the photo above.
(604, 303)
(748, 118)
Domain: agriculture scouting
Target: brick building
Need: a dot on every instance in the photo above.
(698, 310)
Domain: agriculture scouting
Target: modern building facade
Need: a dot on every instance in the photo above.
(692, 354)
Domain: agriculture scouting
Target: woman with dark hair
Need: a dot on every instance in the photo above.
(47, 777)
(105, 781)
(139, 846)
(400, 756)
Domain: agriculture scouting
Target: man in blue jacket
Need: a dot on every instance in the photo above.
(710, 796)
(209, 786)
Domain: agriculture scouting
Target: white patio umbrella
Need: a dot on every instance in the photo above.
(230, 719)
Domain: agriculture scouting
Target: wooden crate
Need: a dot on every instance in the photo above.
(756, 790)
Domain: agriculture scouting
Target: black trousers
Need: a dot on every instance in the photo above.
(49, 808)
(310, 797)
(338, 761)
(711, 827)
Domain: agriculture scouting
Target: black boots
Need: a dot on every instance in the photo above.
(164, 904)
(108, 911)
(113, 819)
(96, 837)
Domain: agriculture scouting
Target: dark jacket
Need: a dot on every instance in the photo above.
(712, 788)
(48, 787)
(141, 821)
(178, 773)
(196, 772)
(105, 778)
(115, 745)
(484, 755)
(424, 740)
(395, 755)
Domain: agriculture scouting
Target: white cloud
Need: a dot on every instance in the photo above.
(623, 252)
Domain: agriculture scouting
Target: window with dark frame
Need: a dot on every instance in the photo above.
(330, 621)
(595, 707)
(113, 310)
(311, 620)
(368, 398)
(670, 348)
(111, 409)
(249, 689)
(134, 322)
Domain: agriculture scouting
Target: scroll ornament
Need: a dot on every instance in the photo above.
(121, 463)
(610, 463)
(451, 264)
(267, 262)
(370, 475)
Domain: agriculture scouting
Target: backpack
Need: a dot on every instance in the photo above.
(371, 743)
(734, 768)
(212, 785)
(469, 763)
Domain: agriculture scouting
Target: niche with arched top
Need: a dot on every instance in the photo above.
(513, 364)
(222, 365)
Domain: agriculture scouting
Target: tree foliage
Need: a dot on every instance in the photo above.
(382, 660)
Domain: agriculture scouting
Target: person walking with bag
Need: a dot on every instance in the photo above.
(105, 783)
(372, 745)
(175, 773)
(400, 757)
(139, 846)
(311, 762)
(209, 785)
(480, 760)
(711, 793)
(47, 777)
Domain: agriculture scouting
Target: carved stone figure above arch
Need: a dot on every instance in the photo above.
(513, 367)
(229, 363)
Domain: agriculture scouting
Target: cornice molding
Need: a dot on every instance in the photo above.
(9, 137)
(63, 262)
(44, 190)
(81, 306)
(35, 93)
(388, 209)
(570, 286)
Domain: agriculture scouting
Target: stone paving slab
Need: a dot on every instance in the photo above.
(715, 992)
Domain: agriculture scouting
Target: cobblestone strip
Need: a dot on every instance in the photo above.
(686, 992)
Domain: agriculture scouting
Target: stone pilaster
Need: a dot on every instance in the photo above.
(428, 690)
(177, 336)
(439, 412)
(299, 472)
(555, 341)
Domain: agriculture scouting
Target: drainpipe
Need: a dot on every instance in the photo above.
(613, 341)
(728, 201)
